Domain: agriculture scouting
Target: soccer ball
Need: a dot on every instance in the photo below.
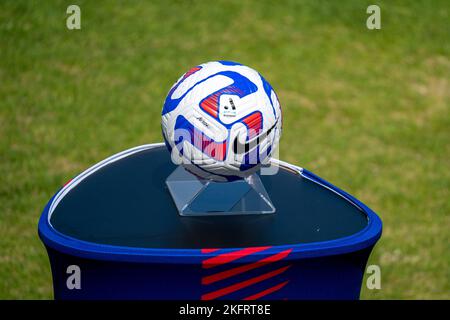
(222, 121)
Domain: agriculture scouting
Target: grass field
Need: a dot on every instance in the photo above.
(367, 110)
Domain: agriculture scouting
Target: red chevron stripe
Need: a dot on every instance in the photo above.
(235, 287)
(238, 270)
(267, 291)
(230, 256)
(209, 250)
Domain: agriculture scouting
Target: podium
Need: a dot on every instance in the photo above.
(114, 232)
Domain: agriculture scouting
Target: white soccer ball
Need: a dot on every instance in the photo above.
(221, 120)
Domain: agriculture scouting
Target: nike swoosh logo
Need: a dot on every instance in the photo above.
(240, 148)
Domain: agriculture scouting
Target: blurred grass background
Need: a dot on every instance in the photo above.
(366, 110)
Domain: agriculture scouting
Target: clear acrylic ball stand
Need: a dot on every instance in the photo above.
(194, 196)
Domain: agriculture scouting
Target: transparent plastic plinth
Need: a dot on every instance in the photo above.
(199, 197)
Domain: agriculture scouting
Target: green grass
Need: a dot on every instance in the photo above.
(366, 110)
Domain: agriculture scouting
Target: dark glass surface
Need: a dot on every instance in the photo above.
(127, 203)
